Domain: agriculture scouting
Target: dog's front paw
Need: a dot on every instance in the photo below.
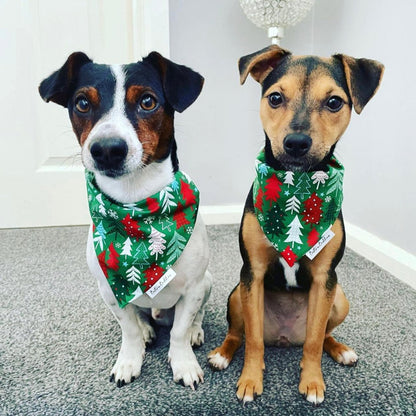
(250, 385)
(127, 368)
(185, 368)
(312, 386)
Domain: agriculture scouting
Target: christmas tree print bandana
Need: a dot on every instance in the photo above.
(295, 209)
(136, 244)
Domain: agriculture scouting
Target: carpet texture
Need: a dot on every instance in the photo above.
(58, 342)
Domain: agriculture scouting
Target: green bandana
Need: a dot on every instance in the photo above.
(296, 209)
(136, 244)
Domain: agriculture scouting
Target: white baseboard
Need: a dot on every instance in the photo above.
(389, 257)
(386, 255)
(221, 214)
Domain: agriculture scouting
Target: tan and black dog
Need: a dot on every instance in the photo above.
(305, 108)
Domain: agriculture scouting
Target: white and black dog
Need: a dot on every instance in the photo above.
(122, 116)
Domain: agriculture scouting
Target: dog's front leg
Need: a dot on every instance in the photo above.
(257, 257)
(320, 302)
(185, 367)
(135, 331)
(250, 383)
(130, 357)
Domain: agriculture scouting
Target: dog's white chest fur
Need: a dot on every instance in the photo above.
(290, 273)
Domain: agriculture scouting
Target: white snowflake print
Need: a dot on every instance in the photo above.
(328, 199)
(189, 230)
(261, 217)
(149, 220)
(118, 245)
(112, 214)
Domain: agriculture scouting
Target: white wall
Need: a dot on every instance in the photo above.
(379, 148)
(220, 134)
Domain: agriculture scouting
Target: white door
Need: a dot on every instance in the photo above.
(41, 175)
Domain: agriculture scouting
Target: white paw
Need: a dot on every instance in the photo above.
(197, 336)
(127, 368)
(186, 369)
(218, 362)
(314, 399)
(348, 357)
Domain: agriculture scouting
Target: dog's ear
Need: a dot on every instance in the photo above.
(181, 84)
(363, 78)
(57, 87)
(260, 64)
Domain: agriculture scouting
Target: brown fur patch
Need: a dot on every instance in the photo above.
(134, 92)
(81, 126)
(259, 249)
(155, 133)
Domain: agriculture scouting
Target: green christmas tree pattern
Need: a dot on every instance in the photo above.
(136, 243)
(296, 211)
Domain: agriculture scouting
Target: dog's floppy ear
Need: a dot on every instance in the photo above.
(57, 86)
(181, 84)
(260, 64)
(363, 78)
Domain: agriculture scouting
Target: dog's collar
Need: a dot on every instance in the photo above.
(296, 209)
(136, 244)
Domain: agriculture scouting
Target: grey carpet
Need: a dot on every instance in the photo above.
(58, 342)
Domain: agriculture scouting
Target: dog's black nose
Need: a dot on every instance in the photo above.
(109, 153)
(297, 144)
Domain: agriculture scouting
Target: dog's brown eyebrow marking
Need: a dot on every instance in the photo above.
(91, 93)
(134, 92)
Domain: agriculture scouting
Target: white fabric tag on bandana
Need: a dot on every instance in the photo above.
(316, 249)
(161, 283)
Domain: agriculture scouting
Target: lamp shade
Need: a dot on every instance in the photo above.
(275, 15)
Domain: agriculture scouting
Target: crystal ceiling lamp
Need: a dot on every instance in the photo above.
(275, 15)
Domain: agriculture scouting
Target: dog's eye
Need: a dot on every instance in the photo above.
(334, 103)
(147, 102)
(82, 104)
(275, 99)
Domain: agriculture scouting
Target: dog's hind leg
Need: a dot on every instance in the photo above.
(220, 358)
(341, 353)
(143, 320)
